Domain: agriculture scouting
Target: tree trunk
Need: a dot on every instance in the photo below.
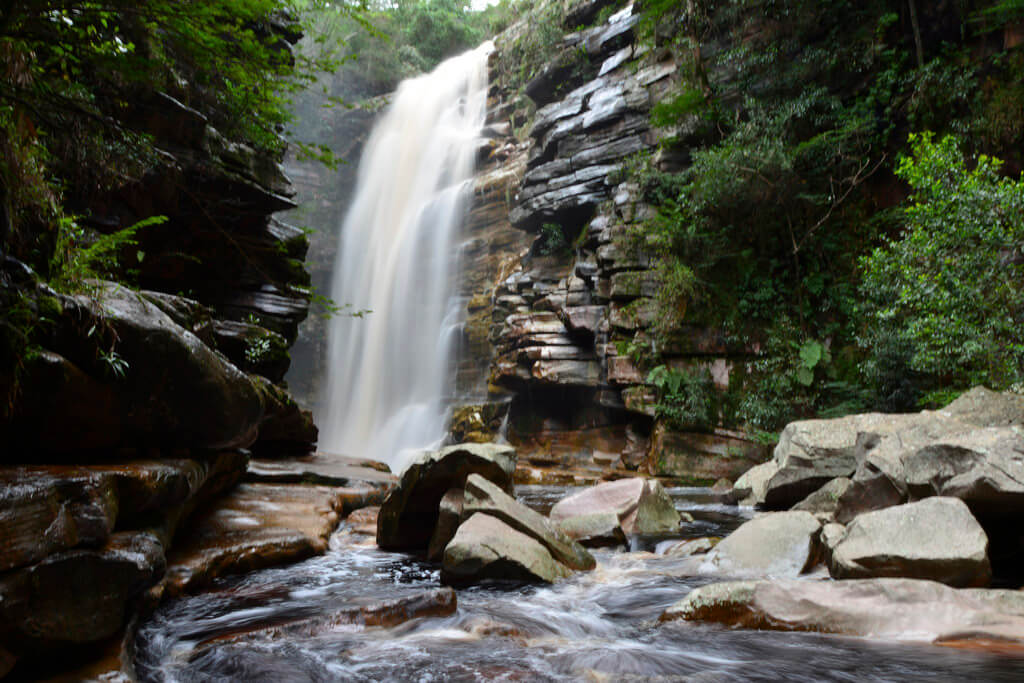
(917, 33)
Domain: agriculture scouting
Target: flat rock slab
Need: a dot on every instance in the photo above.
(776, 545)
(328, 470)
(484, 547)
(45, 509)
(936, 538)
(902, 609)
(610, 512)
(255, 526)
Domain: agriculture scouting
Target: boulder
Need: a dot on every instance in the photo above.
(969, 450)
(409, 514)
(777, 545)
(810, 453)
(825, 500)
(154, 384)
(483, 496)
(180, 393)
(936, 538)
(904, 609)
(484, 547)
(610, 512)
(449, 514)
(983, 407)
(751, 486)
(286, 429)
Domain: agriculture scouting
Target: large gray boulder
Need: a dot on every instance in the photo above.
(907, 609)
(751, 486)
(409, 514)
(825, 500)
(935, 539)
(483, 496)
(971, 450)
(484, 547)
(777, 545)
(608, 513)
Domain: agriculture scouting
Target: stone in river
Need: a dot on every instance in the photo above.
(484, 547)
(409, 514)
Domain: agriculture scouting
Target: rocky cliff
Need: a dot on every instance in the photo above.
(558, 285)
(135, 407)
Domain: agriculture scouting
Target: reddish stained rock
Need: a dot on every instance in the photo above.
(255, 526)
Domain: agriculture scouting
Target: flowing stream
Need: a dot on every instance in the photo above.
(388, 365)
(596, 626)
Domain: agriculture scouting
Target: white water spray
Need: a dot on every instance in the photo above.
(388, 371)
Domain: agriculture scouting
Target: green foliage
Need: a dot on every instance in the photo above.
(79, 256)
(536, 41)
(552, 241)
(687, 399)
(669, 112)
(792, 144)
(395, 40)
(949, 289)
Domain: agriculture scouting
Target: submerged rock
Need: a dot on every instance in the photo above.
(690, 547)
(904, 609)
(484, 547)
(778, 545)
(935, 539)
(483, 496)
(409, 514)
(366, 612)
(608, 513)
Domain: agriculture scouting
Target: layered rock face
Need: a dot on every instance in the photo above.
(559, 303)
(134, 410)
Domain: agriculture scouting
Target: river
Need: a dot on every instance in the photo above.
(596, 626)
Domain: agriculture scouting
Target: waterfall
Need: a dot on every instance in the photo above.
(388, 371)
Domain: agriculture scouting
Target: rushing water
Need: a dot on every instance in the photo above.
(388, 369)
(596, 626)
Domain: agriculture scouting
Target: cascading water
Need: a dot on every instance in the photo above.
(388, 371)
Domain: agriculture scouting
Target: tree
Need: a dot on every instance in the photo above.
(950, 289)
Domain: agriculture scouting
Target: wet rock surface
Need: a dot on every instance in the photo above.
(255, 526)
(319, 468)
(907, 609)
